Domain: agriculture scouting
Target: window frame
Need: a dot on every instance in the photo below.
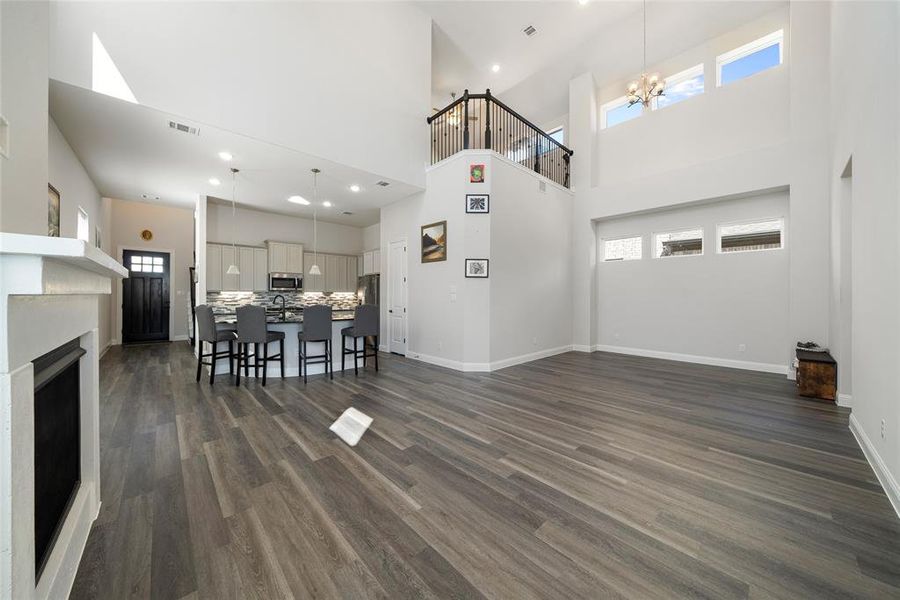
(680, 77)
(82, 217)
(679, 230)
(612, 105)
(782, 230)
(603, 241)
(766, 41)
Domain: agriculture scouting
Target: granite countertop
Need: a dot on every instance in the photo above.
(291, 316)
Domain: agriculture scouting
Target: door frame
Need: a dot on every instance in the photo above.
(390, 298)
(118, 298)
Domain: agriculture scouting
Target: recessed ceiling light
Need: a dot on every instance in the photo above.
(354, 188)
(299, 200)
(495, 68)
(226, 156)
(214, 181)
(326, 204)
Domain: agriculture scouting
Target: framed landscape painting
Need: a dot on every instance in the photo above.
(478, 203)
(434, 242)
(52, 211)
(477, 268)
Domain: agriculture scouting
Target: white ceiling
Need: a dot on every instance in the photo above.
(129, 150)
(469, 37)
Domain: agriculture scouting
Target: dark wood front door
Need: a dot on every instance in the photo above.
(145, 297)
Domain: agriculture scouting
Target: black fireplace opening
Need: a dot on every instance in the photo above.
(57, 444)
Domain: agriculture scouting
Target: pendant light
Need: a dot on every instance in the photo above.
(648, 87)
(233, 268)
(314, 269)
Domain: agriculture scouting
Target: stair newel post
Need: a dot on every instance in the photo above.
(566, 158)
(466, 120)
(487, 122)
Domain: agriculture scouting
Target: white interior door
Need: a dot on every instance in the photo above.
(397, 298)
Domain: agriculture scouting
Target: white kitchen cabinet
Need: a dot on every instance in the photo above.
(368, 260)
(376, 261)
(360, 261)
(260, 270)
(246, 265)
(294, 258)
(352, 273)
(214, 269)
(230, 283)
(332, 273)
(313, 283)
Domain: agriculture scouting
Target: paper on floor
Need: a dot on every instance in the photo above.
(351, 426)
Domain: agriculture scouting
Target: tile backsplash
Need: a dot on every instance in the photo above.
(228, 301)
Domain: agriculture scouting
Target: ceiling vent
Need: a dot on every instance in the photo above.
(529, 31)
(347, 212)
(382, 183)
(149, 197)
(183, 128)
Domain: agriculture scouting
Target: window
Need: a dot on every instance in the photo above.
(146, 264)
(678, 243)
(558, 135)
(750, 236)
(547, 145)
(759, 55)
(83, 232)
(105, 76)
(681, 86)
(630, 248)
(618, 111)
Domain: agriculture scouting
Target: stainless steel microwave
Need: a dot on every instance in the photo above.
(285, 282)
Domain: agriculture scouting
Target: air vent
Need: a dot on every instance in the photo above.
(183, 128)
(383, 183)
(149, 197)
(347, 212)
(529, 31)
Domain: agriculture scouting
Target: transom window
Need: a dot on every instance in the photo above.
(681, 86)
(146, 264)
(686, 242)
(83, 229)
(630, 248)
(749, 59)
(617, 111)
(751, 236)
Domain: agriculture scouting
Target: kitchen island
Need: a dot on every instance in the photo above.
(291, 323)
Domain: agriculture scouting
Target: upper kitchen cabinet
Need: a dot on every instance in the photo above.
(338, 273)
(313, 283)
(251, 261)
(285, 257)
(371, 262)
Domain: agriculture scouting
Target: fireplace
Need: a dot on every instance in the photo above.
(57, 444)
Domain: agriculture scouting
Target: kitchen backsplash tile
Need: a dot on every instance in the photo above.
(228, 301)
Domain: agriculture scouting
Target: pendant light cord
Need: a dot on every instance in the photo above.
(315, 216)
(644, 69)
(233, 211)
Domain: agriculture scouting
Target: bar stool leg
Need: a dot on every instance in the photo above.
(330, 363)
(281, 356)
(246, 359)
(212, 362)
(343, 352)
(376, 353)
(199, 360)
(355, 356)
(230, 357)
(237, 372)
(265, 361)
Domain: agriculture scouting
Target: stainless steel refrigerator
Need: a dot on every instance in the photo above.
(368, 289)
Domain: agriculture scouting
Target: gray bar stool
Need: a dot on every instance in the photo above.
(317, 329)
(208, 331)
(365, 325)
(252, 329)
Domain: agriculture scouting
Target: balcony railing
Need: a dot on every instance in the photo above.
(481, 122)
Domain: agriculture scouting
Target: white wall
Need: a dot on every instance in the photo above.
(531, 266)
(173, 232)
(352, 83)
(863, 48)
(76, 190)
(254, 227)
(372, 237)
(24, 103)
(704, 306)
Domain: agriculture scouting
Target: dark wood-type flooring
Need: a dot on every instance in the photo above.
(577, 476)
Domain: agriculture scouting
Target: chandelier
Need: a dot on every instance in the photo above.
(647, 87)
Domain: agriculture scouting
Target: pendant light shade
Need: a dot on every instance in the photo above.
(314, 269)
(233, 268)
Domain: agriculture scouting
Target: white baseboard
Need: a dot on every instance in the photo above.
(486, 367)
(845, 400)
(581, 348)
(179, 338)
(891, 488)
(105, 349)
(694, 358)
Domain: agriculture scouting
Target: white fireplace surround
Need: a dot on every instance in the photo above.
(49, 295)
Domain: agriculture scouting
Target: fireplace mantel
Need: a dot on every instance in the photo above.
(49, 295)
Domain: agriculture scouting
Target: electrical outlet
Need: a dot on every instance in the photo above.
(742, 347)
(882, 429)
